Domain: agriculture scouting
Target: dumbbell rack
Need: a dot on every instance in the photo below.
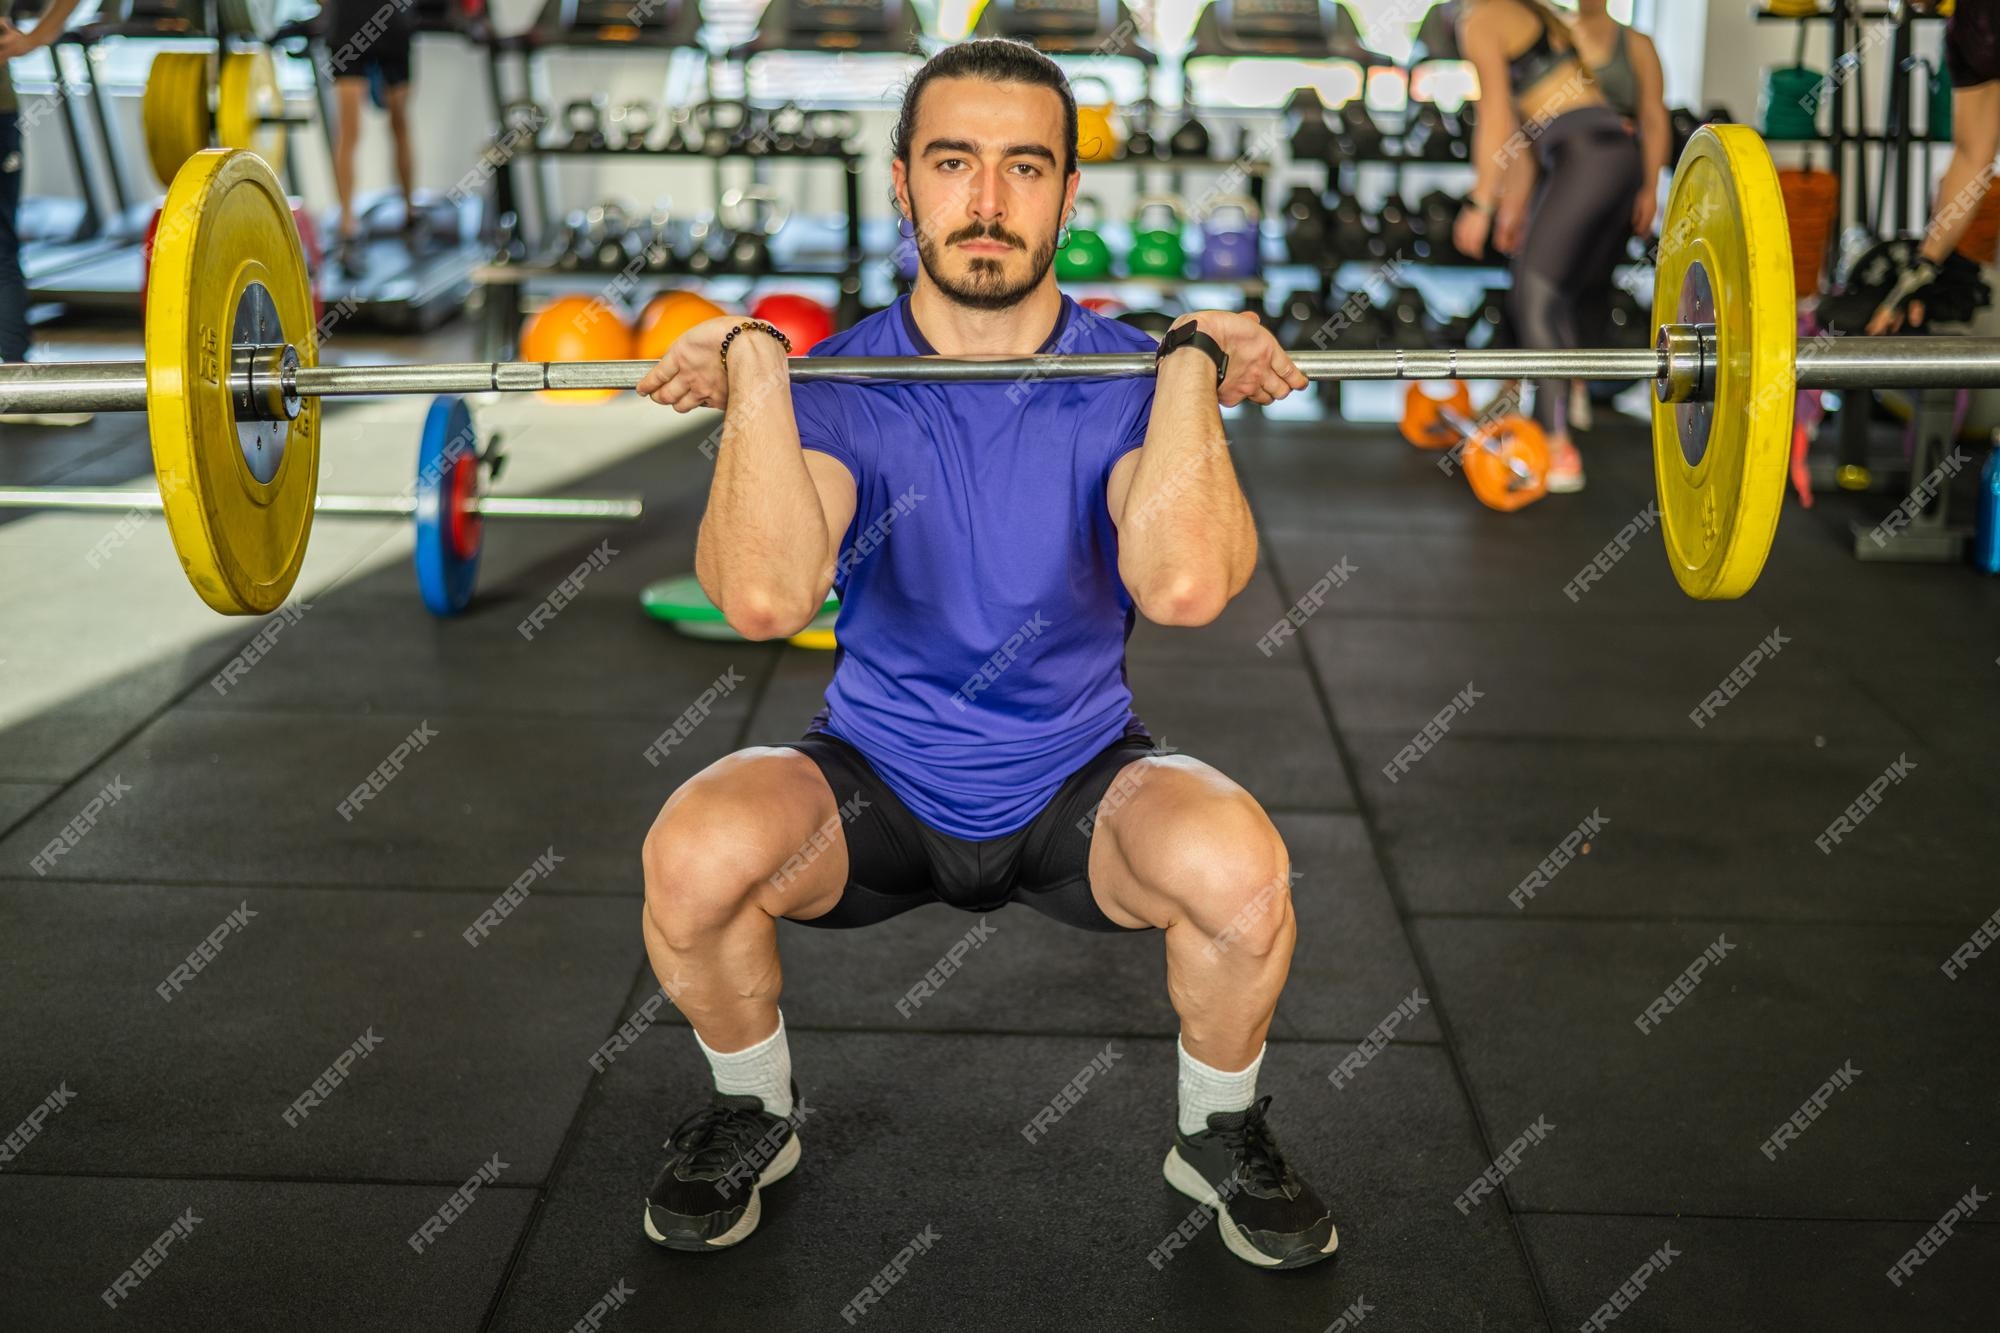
(501, 285)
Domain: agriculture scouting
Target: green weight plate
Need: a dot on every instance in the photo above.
(681, 600)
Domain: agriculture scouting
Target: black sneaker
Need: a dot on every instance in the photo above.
(1267, 1215)
(708, 1195)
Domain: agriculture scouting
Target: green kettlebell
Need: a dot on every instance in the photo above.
(1087, 257)
(1157, 249)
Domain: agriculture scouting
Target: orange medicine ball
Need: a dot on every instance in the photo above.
(576, 328)
(666, 317)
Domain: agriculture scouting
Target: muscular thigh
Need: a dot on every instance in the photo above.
(763, 817)
(1184, 843)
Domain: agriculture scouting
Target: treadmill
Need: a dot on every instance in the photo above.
(113, 277)
(835, 27)
(1068, 27)
(59, 233)
(396, 288)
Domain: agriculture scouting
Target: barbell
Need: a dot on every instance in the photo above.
(231, 385)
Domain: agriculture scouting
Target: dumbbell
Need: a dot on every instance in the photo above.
(1505, 459)
(585, 118)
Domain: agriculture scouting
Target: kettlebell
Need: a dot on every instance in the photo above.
(1350, 235)
(1405, 318)
(1397, 231)
(1302, 315)
(1229, 238)
(753, 215)
(1429, 134)
(1096, 127)
(1440, 214)
(1190, 140)
(1086, 257)
(1305, 226)
(1139, 133)
(1360, 135)
(1305, 125)
(585, 119)
(1157, 249)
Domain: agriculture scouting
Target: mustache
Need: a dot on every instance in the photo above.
(988, 232)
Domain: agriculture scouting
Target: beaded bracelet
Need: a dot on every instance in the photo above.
(763, 324)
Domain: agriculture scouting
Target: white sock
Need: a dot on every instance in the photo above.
(763, 1070)
(1204, 1091)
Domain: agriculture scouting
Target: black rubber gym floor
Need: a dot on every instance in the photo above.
(1633, 1147)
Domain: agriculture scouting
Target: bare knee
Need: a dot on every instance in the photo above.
(1219, 860)
(714, 844)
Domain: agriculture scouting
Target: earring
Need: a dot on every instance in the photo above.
(1062, 235)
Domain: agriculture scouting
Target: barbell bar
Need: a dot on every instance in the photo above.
(622, 508)
(1678, 369)
(232, 387)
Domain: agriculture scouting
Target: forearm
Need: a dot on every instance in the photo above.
(1656, 137)
(53, 20)
(1493, 157)
(1964, 183)
(761, 552)
(1186, 542)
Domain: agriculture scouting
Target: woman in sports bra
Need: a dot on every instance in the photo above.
(1558, 174)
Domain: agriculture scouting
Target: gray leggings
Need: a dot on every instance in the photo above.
(1590, 169)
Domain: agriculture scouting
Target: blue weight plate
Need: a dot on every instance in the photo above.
(448, 537)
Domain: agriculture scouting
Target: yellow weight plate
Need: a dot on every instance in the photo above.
(1726, 259)
(247, 97)
(173, 112)
(819, 639)
(228, 271)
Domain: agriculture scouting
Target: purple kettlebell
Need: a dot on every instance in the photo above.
(1229, 239)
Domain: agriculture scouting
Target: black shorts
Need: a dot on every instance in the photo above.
(896, 862)
(1972, 43)
(359, 34)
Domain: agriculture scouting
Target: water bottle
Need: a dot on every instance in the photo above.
(1986, 516)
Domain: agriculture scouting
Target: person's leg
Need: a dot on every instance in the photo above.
(1572, 241)
(13, 288)
(349, 91)
(712, 906)
(395, 63)
(398, 101)
(1193, 854)
(1184, 849)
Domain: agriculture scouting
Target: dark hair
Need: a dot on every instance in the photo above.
(997, 60)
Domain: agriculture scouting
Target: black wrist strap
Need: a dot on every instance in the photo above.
(1188, 335)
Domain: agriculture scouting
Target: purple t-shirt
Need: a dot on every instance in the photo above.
(982, 619)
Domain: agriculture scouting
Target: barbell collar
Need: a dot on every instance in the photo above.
(623, 508)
